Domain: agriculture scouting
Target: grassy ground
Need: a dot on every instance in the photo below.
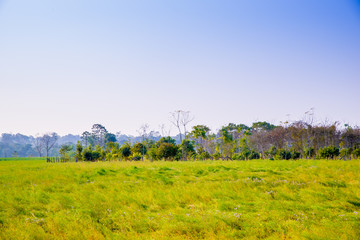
(303, 199)
(22, 158)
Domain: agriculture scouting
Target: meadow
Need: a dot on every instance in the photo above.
(259, 199)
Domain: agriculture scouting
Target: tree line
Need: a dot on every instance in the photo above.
(261, 140)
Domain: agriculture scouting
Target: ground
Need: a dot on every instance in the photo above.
(262, 199)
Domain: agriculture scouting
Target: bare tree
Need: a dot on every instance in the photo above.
(48, 141)
(143, 132)
(180, 119)
(164, 130)
(38, 145)
(175, 119)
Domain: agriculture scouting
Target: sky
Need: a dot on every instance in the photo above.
(66, 65)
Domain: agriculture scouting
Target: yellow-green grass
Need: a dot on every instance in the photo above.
(22, 158)
(262, 199)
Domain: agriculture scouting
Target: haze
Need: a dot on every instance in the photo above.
(65, 65)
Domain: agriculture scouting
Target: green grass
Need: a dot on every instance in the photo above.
(260, 199)
(22, 158)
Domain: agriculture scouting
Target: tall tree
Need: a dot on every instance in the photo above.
(143, 132)
(49, 140)
(180, 119)
(200, 133)
(38, 144)
(85, 138)
(98, 133)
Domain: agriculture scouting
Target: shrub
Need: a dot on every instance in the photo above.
(136, 157)
(356, 153)
(204, 155)
(295, 154)
(125, 150)
(254, 155)
(329, 152)
(238, 156)
(216, 156)
(345, 153)
(283, 154)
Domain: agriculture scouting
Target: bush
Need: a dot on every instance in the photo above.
(295, 154)
(329, 152)
(356, 153)
(153, 154)
(254, 155)
(238, 156)
(204, 155)
(216, 156)
(136, 157)
(271, 153)
(283, 154)
(167, 150)
(345, 153)
(125, 150)
(309, 152)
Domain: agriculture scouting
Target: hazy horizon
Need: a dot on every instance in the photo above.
(66, 65)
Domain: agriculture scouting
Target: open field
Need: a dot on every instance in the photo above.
(22, 158)
(305, 199)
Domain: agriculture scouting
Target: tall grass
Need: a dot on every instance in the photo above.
(303, 199)
(22, 158)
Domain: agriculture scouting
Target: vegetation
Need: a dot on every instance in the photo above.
(261, 140)
(315, 199)
(234, 141)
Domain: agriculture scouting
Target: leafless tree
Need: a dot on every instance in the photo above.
(143, 132)
(38, 143)
(180, 118)
(48, 141)
(175, 119)
(164, 130)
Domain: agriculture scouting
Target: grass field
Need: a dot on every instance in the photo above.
(305, 199)
(22, 158)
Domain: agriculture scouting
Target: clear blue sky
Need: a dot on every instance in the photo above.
(65, 65)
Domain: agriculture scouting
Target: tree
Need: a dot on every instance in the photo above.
(167, 151)
(110, 137)
(262, 126)
(139, 148)
(98, 133)
(125, 150)
(48, 141)
(180, 119)
(200, 133)
(65, 151)
(79, 149)
(166, 140)
(329, 152)
(86, 138)
(38, 144)
(143, 132)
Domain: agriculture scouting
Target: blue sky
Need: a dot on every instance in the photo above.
(65, 65)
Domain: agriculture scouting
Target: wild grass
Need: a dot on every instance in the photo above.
(22, 158)
(262, 199)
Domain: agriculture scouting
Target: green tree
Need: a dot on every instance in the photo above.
(79, 149)
(329, 152)
(200, 133)
(167, 151)
(139, 148)
(125, 150)
(65, 152)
